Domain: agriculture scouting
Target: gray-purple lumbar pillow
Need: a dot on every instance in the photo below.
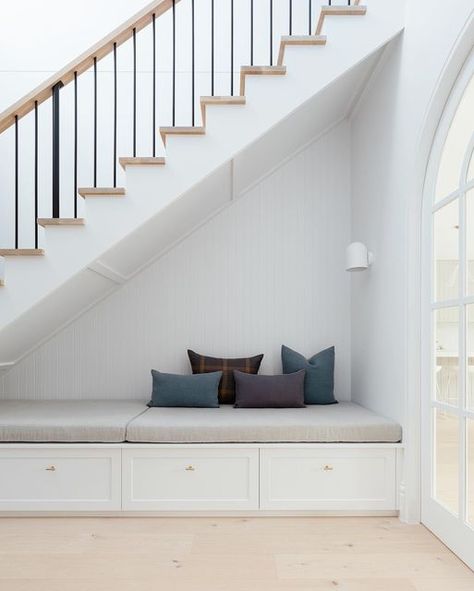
(281, 391)
(319, 379)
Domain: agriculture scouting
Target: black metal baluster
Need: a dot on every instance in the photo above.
(231, 47)
(134, 92)
(36, 174)
(251, 32)
(310, 18)
(95, 122)
(115, 117)
(154, 87)
(290, 17)
(16, 181)
(55, 158)
(271, 32)
(174, 64)
(193, 65)
(75, 144)
(212, 47)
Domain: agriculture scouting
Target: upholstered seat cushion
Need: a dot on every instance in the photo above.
(344, 422)
(67, 421)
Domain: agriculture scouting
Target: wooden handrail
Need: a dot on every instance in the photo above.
(99, 50)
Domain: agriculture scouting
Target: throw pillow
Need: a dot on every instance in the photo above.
(204, 364)
(281, 391)
(177, 390)
(319, 380)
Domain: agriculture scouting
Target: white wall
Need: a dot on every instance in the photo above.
(392, 131)
(268, 270)
(386, 132)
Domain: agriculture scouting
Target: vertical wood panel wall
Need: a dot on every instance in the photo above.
(268, 270)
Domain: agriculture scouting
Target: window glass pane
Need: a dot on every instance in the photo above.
(470, 241)
(446, 366)
(446, 252)
(470, 356)
(456, 144)
(446, 484)
(470, 471)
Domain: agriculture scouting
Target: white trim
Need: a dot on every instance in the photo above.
(105, 271)
(449, 527)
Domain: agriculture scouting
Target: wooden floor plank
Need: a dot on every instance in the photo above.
(225, 554)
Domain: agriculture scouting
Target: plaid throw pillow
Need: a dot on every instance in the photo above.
(203, 364)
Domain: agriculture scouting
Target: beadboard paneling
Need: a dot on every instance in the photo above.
(267, 270)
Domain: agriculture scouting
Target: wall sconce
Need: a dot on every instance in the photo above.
(358, 257)
(2, 271)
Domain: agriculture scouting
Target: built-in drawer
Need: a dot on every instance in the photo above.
(188, 478)
(59, 478)
(328, 479)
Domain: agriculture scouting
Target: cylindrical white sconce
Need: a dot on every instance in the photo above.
(358, 257)
(2, 271)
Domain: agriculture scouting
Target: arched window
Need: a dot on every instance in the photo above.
(450, 190)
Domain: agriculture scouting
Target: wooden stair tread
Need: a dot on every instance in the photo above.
(304, 39)
(164, 131)
(219, 100)
(299, 40)
(354, 10)
(259, 71)
(142, 161)
(61, 222)
(106, 191)
(223, 100)
(263, 70)
(21, 252)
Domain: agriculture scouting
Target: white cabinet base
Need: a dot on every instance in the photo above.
(60, 478)
(328, 479)
(190, 478)
(205, 479)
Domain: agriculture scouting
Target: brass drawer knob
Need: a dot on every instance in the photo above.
(51, 469)
(328, 468)
(189, 468)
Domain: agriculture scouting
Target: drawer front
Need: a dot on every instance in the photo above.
(190, 479)
(60, 479)
(328, 479)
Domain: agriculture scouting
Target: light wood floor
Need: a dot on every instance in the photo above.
(225, 554)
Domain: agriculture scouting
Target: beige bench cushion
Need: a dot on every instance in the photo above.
(67, 421)
(343, 422)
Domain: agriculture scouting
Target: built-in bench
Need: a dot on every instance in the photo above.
(122, 456)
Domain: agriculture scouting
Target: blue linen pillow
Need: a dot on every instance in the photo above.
(319, 378)
(197, 390)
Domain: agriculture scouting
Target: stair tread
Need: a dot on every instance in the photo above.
(223, 100)
(298, 40)
(142, 161)
(25, 252)
(263, 69)
(184, 130)
(61, 221)
(112, 191)
(354, 10)
(345, 10)
(309, 39)
(259, 71)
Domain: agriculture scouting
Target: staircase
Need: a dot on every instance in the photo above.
(110, 232)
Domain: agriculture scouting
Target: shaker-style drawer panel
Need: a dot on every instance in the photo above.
(328, 479)
(56, 479)
(190, 479)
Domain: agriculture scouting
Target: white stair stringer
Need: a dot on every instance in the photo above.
(43, 293)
